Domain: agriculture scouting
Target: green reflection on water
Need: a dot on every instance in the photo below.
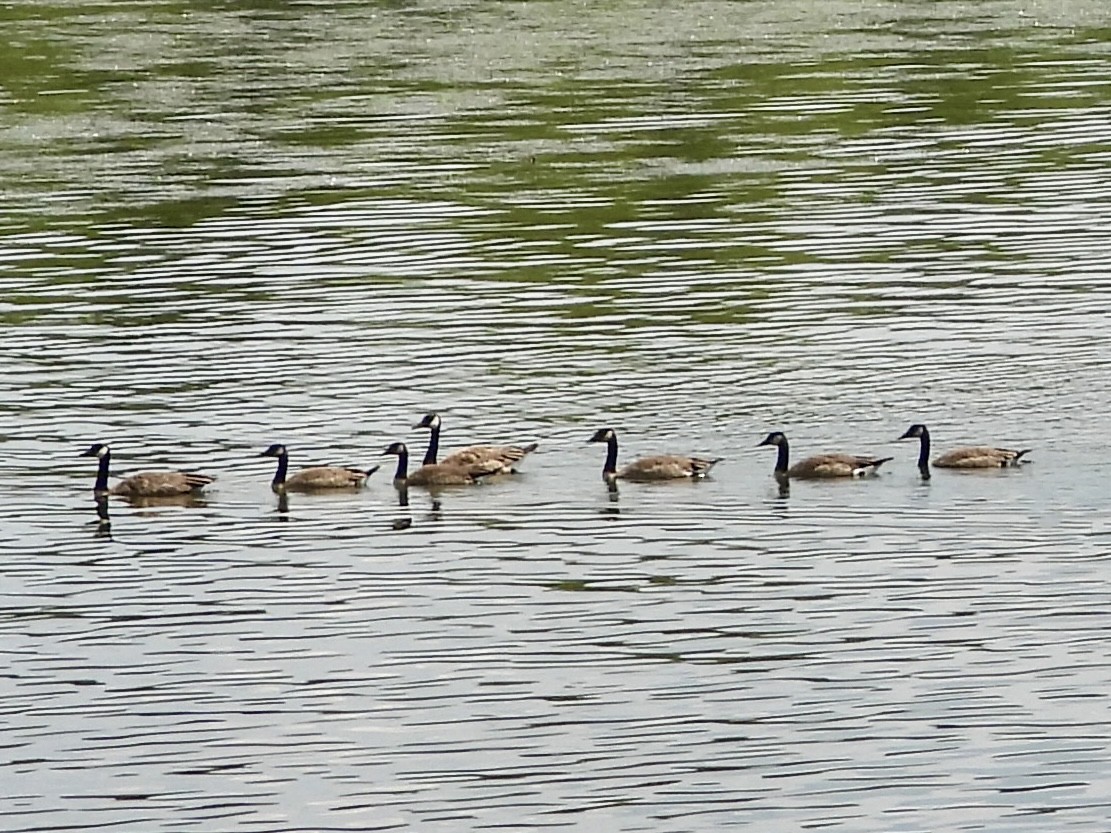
(634, 149)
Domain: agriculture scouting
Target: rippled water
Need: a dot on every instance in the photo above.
(312, 223)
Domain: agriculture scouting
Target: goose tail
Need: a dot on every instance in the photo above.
(870, 466)
(703, 465)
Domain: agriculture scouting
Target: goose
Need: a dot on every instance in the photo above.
(143, 484)
(437, 474)
(507, 456)
(820, 465)
(317, 478)
(657, 467)
(969, 457)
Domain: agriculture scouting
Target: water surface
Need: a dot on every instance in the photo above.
(311, 223)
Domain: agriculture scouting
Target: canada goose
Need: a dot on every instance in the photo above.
(507, 456)
(970, 457)
(437, 474)
(820, 465)
(317, 478)
(144, 484)
(657, 467)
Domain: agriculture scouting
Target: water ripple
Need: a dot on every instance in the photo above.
(263, 226)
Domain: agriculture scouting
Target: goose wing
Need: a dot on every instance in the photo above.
(667, 467)
(445, 474)
(979, 457)
(506, 456)
(161, 483)
(836, 465)
(328, 477)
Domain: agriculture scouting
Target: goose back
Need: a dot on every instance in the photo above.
(505, 457)
(667, 467)
(979, 457)
(442, 474)
(835, 465)
(160, 484)
(327, 477)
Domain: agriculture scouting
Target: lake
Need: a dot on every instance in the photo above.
(311, 223)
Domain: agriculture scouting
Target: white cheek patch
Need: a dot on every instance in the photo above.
(103, 450)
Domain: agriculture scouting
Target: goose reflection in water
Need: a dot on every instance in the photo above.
(406, 521)
(283, 509)
(613, 495)
(402, 521)
(190, 500)
(103, 521)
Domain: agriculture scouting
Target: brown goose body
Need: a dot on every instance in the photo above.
(437, 474)
(505, 457)
(968, 457)
(314, 478)
(820, 466)
(666, 467)
(327, 477)
(144, 484)
(835, 465)
(655, 467)
(979, 457)
(160, 484)
(502, 458)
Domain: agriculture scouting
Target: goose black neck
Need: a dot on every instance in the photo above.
(279, 475)
(433, 446)
(783, 457)
(102, 473)
(610, 467)
(402, 466)
(924, 452)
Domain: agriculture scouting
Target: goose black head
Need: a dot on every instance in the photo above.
(95, 450)
(429, 421)
(396, 448)
(603, 435)
(276, 450)
(774, 438)
(916, 430)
